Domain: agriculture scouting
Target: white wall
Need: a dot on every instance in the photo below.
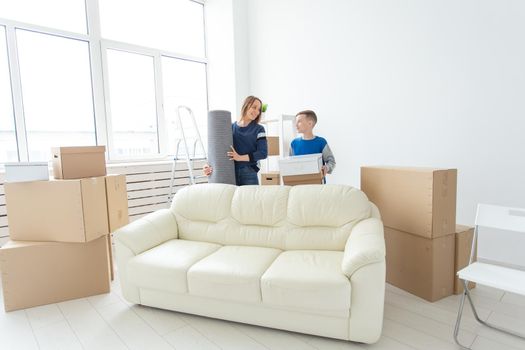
(241, 51)
(220, 51)
(415, 82)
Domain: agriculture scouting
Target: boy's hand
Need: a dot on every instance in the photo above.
(324, 169)
(236, 156)
(207, 170)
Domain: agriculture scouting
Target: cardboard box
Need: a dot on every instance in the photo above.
(273, 145)
(110, 257)
(301, 165)
(78, 162)
(421, 266)
(421, 201)
(39, 273)
(271, 178)
(463, 244)
(308, 179)
(26, 171)
(117, 201)
(57, 210)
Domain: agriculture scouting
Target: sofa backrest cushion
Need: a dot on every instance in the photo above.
(288, 218)
(260, 205)
(209, 202)
(327, 206)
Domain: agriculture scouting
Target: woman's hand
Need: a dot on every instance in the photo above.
(207, 170)
(236, 156)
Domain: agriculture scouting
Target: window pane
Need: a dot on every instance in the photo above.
(133, 106)
(56, 91)
(170, 25)
(8, 151)
(184, 84)
(67, 15)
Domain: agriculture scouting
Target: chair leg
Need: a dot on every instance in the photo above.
(466, 293)
(458, 321)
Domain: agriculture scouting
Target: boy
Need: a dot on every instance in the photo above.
(309, 143)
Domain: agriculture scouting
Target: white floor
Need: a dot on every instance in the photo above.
(109, 322)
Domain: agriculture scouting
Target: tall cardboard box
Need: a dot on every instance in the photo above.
(463, 239)
(421, 266)
(271, 178)
(39, 273)
(117, 202)
(421, 201)
(61, 211)
(273, 145)
(78, 162)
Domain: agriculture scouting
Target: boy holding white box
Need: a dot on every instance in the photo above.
(308, 143)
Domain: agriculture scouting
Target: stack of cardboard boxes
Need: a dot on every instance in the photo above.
(296, 170)
(60, 244)
(418, 208)
(302, 170)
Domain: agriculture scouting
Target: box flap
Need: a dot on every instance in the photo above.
(78, 149)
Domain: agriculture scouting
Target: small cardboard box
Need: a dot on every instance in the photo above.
(273, 145)
(301, 165)
(307, 179)
(464, 236)
(39, 273)
(271, 178)
(421, 201)
(57, 210)
(78, 162)
(421, 266)
(26, 171)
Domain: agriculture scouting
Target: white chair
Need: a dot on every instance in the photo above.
(500, 262)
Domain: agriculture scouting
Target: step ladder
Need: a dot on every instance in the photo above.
(185, 154)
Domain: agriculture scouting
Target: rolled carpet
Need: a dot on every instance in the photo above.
(220, 139)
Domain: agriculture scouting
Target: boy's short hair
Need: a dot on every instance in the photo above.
(309, 115)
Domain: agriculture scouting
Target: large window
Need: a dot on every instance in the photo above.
(184, 85)
(111, 72)
(57, 92)
(169, 25)
(8, 150)
(68, 15)
(154, 60)
(132, 104)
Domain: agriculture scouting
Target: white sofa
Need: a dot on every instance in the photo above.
(309, 259)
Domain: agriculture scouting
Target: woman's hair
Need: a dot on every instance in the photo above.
(248, 102)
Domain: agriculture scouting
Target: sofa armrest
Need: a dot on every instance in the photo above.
(148, 231)
(365, 245)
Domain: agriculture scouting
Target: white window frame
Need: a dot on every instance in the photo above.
(159, 90)
(99, 72)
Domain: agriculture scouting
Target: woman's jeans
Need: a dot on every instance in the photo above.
(245, 175)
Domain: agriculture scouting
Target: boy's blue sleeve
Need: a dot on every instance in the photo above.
(262, 146)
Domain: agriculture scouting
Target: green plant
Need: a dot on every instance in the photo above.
(264, 107)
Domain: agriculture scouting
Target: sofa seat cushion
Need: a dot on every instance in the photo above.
(231, 273)
(308, 280)
(165, 266)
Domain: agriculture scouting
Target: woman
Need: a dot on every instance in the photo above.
(249, 143)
